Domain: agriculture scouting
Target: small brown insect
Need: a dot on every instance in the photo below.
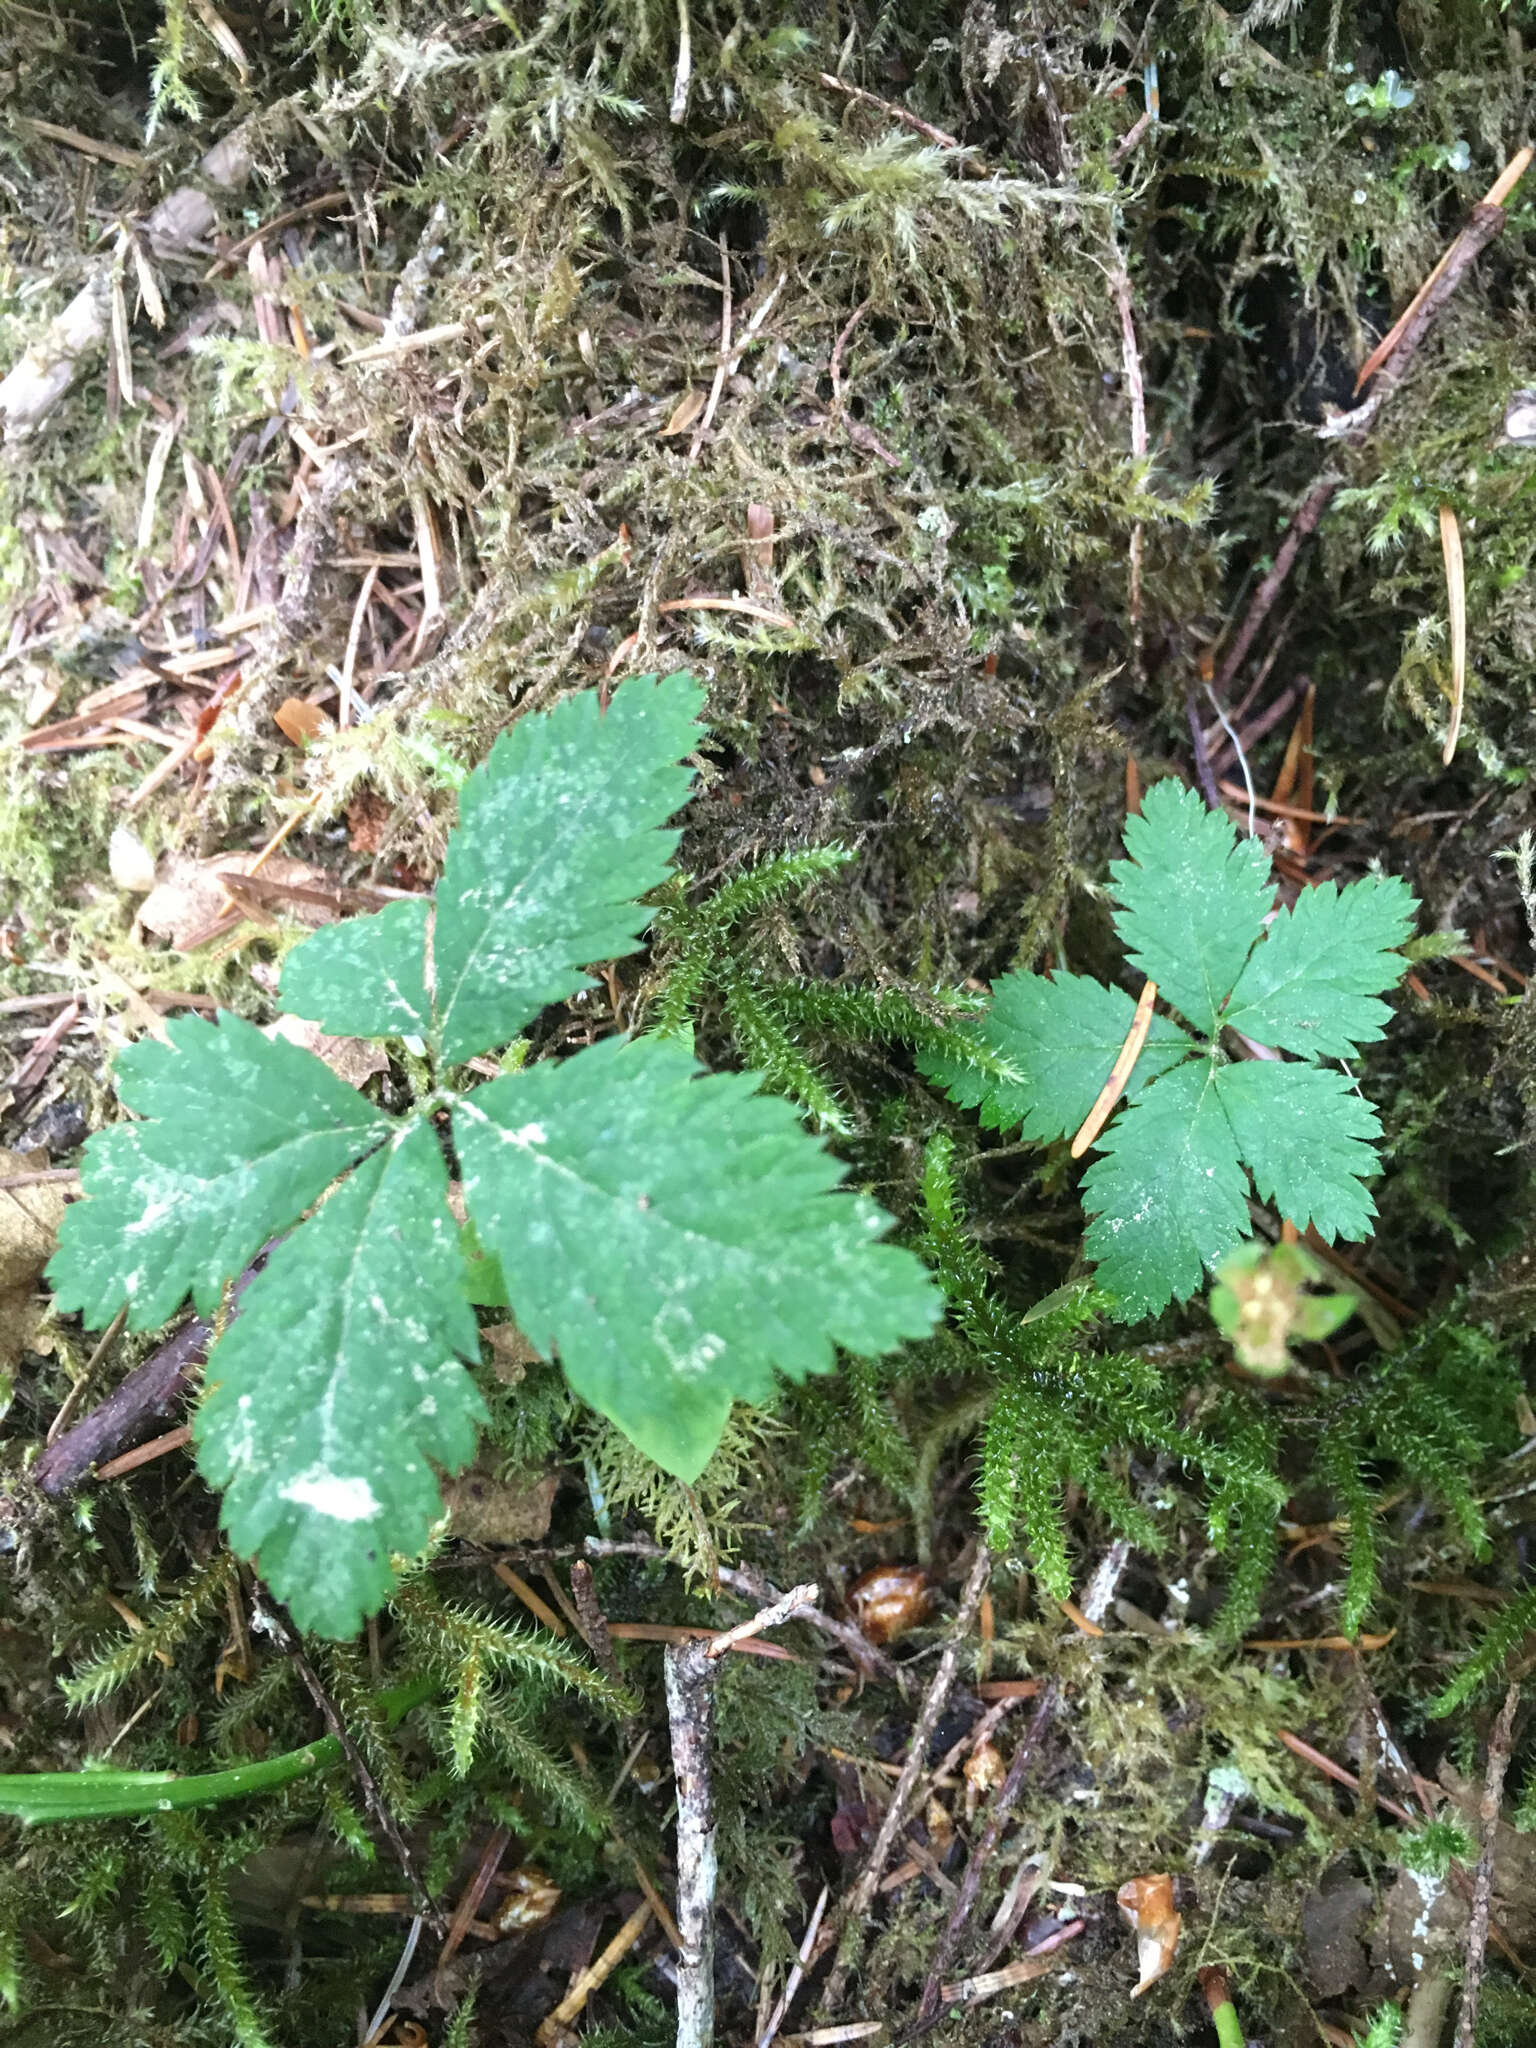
(890, 1600)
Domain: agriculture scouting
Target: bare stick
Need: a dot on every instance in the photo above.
(683, 76)
(691, 1672)
(594, 1622)
(150, 1395)
(1008, 1792)
(690, 1675)
(1131, 356)
(1456, 598)
(1313, 506)
(1486, 224)
(856, 1912)
(727, 308)
(1204, 774)
(1499, 1743)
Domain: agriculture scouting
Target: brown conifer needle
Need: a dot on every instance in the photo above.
(1119, 1073)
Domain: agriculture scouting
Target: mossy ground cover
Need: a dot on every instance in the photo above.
(790, 342)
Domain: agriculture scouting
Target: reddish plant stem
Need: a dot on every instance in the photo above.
(1313, 506)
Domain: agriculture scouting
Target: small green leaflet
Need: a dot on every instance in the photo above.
(339, 1381)
(1062, 1036)
(1168, 1191)
(1192, 899)
(365, 977)
(240, 1134)
(1314, 985)
(676, 1239)
(560, 833)
(1168, 1194)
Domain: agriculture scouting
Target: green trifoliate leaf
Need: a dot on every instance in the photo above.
(676, 1239)
(1313, 985)
(1168, 1194)
(1059, 1036)
(240, 1134)
(559, 833)
(338, 1383)
(364, 977)
(1193, 899)
(1307, 1138)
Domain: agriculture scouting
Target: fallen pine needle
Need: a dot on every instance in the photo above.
(1456, 595)
(540, 1609)
(594, 1976)
(1119, 1074)
(159, 1447)
(668, 1632)
(746, 605)
(970, 1990)
(1360, 1642)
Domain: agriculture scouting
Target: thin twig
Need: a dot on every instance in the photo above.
(1242, 759)
(853, 1639)
(1456, 599)
(727, 306)
(1387, 347)
(1007, 1794)
(1312, 508)
(1131, 357)
(594, 1622)
(71, 1401)
(1204, 773)
(907, 118)
(1485, 226)
(678, 112)
(273, 1621)
(855, 1913)
(1499, 1743)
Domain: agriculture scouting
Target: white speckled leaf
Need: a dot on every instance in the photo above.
(1168, 1194)
(1193, 900)
(240, 1134)
(364, 977)
(560, 831)
(1306, 1135)
(676, 1239)
(1061, 1034)
(339, 1382)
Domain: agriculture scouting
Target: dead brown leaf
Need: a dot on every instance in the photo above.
(188, 904)
(299, 721)
(29, 1232)
(684, 413)
(353, 1060)
(501, 1511)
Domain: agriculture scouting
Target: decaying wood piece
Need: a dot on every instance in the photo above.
(691, 1670)
(151, 1394)
(182, 221)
